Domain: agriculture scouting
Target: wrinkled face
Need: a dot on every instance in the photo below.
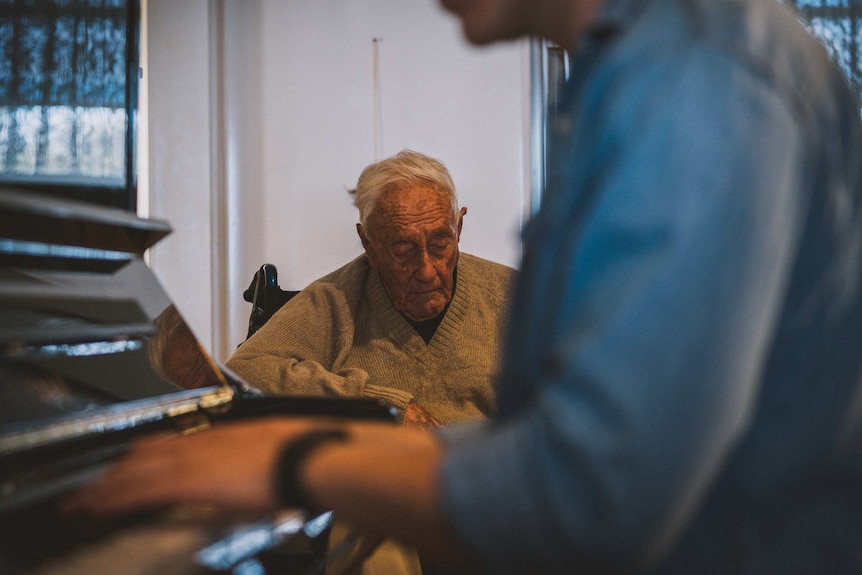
(411, 239)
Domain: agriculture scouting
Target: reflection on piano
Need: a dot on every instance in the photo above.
(92, 356)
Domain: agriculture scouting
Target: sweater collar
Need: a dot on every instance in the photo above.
(399, 327)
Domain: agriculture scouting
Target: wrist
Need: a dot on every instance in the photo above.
(289, 487)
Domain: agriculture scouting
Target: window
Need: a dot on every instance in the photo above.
(549, 65)
(68, 95)
(837, 24)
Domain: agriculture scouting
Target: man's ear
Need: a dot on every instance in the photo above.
(461, 215)
(361, 232)
(366, 245)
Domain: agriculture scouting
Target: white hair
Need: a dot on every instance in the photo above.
(404, 170)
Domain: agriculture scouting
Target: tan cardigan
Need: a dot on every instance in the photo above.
(341, 336)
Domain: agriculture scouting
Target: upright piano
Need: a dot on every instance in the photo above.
(93, 355)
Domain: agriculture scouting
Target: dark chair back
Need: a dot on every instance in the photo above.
(265, 297)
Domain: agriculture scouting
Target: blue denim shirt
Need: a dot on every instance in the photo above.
(682, 390)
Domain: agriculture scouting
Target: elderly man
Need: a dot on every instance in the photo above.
(682, 384)
(411, 321)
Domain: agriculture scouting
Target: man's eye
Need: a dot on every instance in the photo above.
(401, 249)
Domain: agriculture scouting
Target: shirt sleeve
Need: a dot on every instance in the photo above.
(653, 309)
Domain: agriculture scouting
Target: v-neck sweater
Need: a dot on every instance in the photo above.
(342, 337)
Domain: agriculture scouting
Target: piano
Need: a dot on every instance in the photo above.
(93, 355)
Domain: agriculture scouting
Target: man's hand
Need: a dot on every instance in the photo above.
(230, 466)
(417, 416)
(383, 479)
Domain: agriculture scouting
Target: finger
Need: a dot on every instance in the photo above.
(135, 481)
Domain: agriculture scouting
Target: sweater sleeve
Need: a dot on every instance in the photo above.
(296, 351)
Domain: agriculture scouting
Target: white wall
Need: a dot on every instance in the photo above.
(262, 115)
(180, 168)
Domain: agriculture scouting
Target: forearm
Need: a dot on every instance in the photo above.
(301, 351)
(382, 478)
(385, 481)
(282, 375)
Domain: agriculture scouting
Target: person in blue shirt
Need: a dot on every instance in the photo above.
(682, 383)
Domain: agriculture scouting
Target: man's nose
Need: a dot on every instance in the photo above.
(425, 270)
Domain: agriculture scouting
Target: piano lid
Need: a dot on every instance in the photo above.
(89, 340)
(46, 219)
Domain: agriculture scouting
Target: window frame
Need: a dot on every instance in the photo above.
(124, 197)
